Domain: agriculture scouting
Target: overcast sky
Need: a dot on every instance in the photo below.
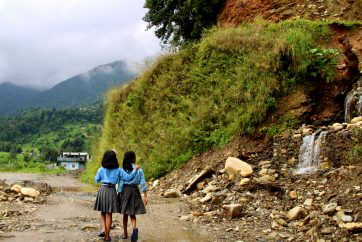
(44, 42)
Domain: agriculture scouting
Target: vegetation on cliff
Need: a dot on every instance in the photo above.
(206, 93)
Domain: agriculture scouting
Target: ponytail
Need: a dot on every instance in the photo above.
(127, 161)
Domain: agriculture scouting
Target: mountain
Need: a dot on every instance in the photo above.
(12, 95)
(80, 90)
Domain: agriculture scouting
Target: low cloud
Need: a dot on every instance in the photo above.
(45, 42)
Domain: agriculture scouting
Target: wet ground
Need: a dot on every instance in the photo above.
(68, 216)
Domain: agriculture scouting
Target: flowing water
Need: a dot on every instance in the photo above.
(309, 153)
(347, 110)
(359, 105)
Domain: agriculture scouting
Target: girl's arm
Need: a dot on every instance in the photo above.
(98, 177)
(127, 176)
(145, 200)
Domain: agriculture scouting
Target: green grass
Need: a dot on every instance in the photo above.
(206, 93)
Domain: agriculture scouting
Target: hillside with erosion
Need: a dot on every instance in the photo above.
(256, 128)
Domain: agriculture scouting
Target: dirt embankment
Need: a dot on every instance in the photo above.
(236, 12)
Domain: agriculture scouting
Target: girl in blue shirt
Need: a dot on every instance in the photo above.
(129, 196)
(106, 201)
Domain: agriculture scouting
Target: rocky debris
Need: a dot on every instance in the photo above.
(297, 213)
(17, 193)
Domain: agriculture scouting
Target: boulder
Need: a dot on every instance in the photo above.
(297, 213)
(244, 181)
(356, 119)
(232, 210)
(330, 208)
(216, 201)
(29, 192)
(207, 198)
(293, 195)
(359, 124)
(236, 166)
(353, 227)
(172, 193)
(16, 188)
(200, 185)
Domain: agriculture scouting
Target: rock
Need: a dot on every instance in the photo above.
(353, 227)
(263, 172)
(351, 126)
(210, 188)
(185, 218)
(355, 120)
(282, 222)
(324, 165)
(338, 127)
(264, 163)
(325, 180)
(293, 195)
(29, 192)
(326, 231)
(308, 202)
(244, 181)
(232, 210)
(359, 124)
(151, 180)
(287, 133)
(243, 200)
(88, 226)
(16, 188)
(208, 197)
(155, 183)
(200, 185)
(180, 187)
(3, 198)
(28, 199)
(172, 193)
(307, 131)
(216, 201)
(269, 177)
(236, 166)
(297, 213)
(330, 208)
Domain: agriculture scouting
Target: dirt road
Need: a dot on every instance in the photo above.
(69, 216)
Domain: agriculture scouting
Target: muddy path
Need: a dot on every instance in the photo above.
(69, 216)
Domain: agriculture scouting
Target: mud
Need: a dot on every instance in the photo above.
(68, 215)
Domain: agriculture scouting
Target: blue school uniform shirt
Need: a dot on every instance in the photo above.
(111, 175)
(138, 179)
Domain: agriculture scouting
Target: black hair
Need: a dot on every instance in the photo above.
(127, 161)
(109, 160)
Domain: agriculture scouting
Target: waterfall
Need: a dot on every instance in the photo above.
(317, 148)
(309, 152)
(359, 105)
(347, 113)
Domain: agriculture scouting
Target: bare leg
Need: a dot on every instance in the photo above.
(125, 221)
(133, 221)
(103, 220)
(108, 225)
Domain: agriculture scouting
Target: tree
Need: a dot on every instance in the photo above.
(26, 157)
(180, 21)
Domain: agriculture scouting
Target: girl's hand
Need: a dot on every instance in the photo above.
(145, 200)
(136, 167)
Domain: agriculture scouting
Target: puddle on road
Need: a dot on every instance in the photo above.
(74, 189)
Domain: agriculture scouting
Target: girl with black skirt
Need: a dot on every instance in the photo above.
(106, 201)
(129, 196)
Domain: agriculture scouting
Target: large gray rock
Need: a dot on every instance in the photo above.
(29, 192)
(172, 193)
(232, 210)
(297, 213)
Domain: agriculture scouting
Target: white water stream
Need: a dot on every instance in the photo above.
(347, 108)
(309, 153)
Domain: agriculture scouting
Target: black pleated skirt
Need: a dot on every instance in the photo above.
(106, 200)
(131, 201)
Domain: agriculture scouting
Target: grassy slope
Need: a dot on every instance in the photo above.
(207, 92)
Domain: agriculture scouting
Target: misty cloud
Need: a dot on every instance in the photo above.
(45, 42)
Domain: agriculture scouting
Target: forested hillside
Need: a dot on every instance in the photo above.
(60, 129)
(12, 95)
(78, 91)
